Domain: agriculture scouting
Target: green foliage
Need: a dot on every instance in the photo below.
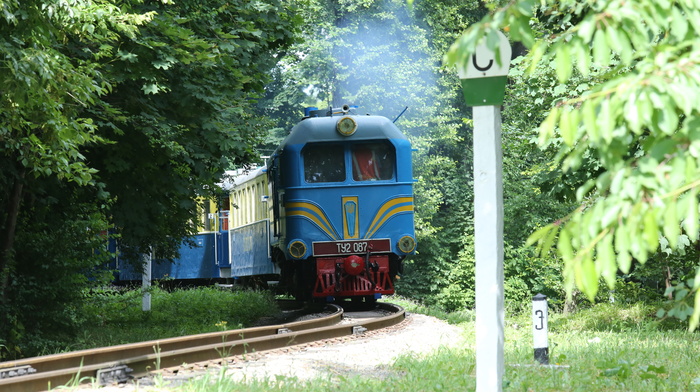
(458, 291)
(628, 291)
(682, 299)
(44, 294)
(638, 123)
(44, 88)
(180, 110)
(42, 130)
(144, 105)
(526, 275)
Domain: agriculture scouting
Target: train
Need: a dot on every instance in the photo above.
(330, 216)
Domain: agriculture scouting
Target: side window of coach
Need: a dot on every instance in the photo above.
(323, 163)
(373, 161)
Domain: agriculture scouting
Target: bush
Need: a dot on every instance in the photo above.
(453, 287)
(608, 317)
(526, 275)
(57, 255)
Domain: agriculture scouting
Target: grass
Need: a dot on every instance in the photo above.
(607, 347)
(115, 316)
(460, 317)
(604, 348)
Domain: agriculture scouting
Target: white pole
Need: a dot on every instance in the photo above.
(539, 328)
(488, 239)
(146, 282)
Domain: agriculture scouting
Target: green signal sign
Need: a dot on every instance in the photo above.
(484, 76)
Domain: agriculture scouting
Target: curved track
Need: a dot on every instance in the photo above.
(110, 364)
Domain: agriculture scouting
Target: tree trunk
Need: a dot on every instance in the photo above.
(7, 258)
(668, 280)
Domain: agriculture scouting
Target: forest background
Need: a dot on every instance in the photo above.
(116, 115)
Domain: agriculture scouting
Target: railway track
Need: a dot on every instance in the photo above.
(118, 363)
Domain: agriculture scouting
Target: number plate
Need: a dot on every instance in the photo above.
(339, 248)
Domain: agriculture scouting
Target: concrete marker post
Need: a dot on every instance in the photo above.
(483, 80)
(539, 328)
(488, 248)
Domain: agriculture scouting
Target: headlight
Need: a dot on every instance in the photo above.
(297, 249)
(407, 244)
(346, 126)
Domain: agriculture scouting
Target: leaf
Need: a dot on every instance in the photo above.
(586, 28)
(163, 64)
(584, 189)
(538, 50)
(651, 230)
(631, 113)
(681, 294)
(564, 245)
(622, 245)
(601, 51)
(150, 88)
(620, 43)
(589, 278)
(125, 56)
(606, 120)
(667, 119)
(525, 8)
(563, 62)
(89, 28)
(679, 24)
(610, 215)
(538, 235)
(606, 260)
(547, 127)
(582, 53)
(690, 223)
(548, 241)
(568, 132)
(671, 226)
(589, 113)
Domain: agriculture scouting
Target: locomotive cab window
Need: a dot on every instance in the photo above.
(373, 161)
(323, 163)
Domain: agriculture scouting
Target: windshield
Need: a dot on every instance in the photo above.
(373, 161)
(323, 163)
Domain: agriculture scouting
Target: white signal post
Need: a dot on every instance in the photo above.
(483, 83)
(488, 248)
(540, 315)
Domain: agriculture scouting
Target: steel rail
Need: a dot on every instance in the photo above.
(61, 369)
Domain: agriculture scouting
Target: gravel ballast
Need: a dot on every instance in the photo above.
(370, 354)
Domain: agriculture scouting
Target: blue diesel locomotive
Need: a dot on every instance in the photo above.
(330, 216)
(342, 205)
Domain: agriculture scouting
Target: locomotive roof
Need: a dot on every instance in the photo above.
(323, 129)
